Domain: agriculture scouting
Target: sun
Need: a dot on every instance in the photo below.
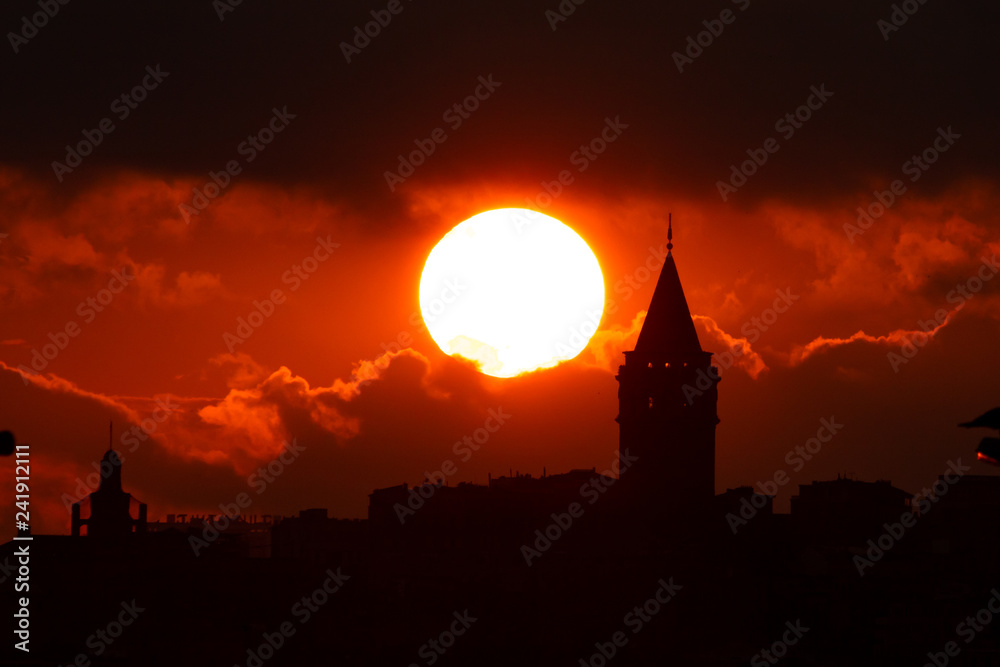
(512, 290)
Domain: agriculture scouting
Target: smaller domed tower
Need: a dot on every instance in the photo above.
(110, 506)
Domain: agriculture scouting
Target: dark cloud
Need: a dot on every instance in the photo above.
(605, 60)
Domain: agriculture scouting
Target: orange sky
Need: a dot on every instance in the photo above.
(161, 337)
(594, 111)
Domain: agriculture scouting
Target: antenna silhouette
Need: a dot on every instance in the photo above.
(670, 232)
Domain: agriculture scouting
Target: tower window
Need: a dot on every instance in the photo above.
(650, 401)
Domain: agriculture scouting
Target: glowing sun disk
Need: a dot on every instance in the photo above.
(513, 290)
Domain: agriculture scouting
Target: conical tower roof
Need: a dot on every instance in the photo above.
(669, 330)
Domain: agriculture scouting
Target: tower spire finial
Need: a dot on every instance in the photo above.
(670, 232)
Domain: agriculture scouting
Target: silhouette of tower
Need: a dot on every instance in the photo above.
(667, 407)
(110, 513)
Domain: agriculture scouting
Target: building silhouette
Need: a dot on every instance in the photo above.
(547, 586)
(110, 506)
(247, 536)
(667, 399)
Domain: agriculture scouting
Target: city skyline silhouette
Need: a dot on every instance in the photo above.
(654, 506)
(539, 332)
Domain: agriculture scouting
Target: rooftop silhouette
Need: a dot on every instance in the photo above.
(668, 330)
(110, 506)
